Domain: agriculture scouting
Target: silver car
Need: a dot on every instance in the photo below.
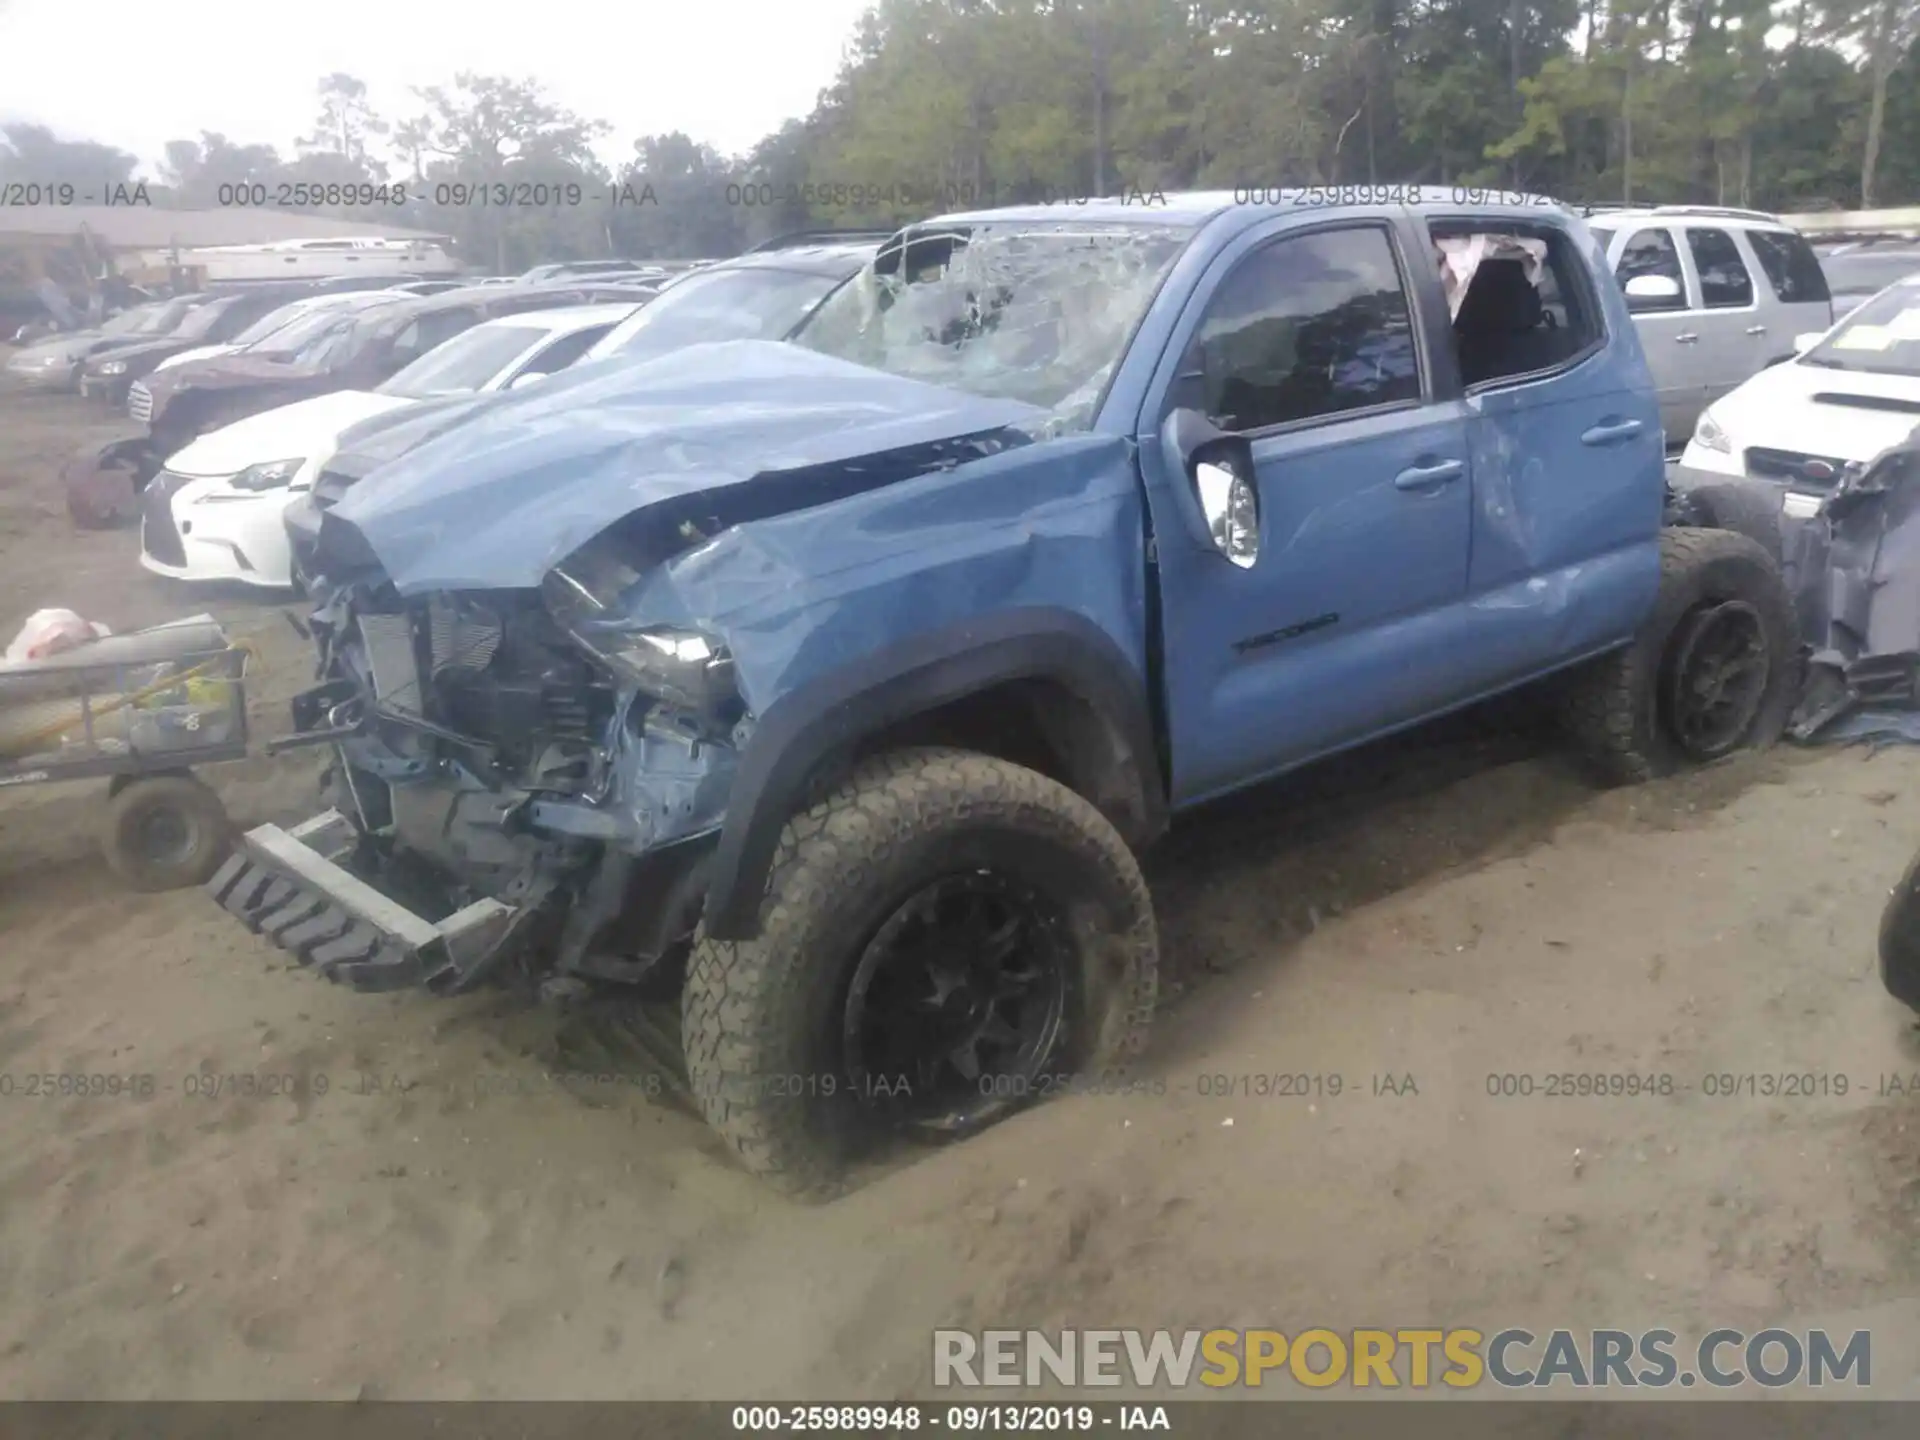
(1717, 295)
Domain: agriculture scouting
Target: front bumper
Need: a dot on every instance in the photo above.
(290, 887)
(109, 388)
(238, 538)
(42, 377)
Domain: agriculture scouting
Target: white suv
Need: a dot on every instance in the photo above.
(1717, 295)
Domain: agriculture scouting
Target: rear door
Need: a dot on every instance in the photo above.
(1667, 331)
(1731, 323)
(1802, 301)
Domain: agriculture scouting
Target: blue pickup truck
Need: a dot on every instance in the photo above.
(834, 685)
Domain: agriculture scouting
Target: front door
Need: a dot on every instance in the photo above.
(1304, 341)
(1669, 330)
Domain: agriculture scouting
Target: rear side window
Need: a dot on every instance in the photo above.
(1792, 268)
(1310, 326)
(1527, 306)
(1724, 281)
(1652, 252)
(564, 351)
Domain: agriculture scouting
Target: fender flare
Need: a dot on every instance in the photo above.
(805, 727)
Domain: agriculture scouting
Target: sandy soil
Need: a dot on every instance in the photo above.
(445, 1222)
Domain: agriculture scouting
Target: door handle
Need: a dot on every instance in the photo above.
(1685, 339)
(1606, 434)
(1425, 477)
(1756, 329)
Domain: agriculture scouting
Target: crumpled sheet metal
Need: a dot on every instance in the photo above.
(1055, 524)
(497, 502)
(1854, 569)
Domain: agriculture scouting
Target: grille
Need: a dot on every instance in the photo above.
(159, 536)
(1820, 472)
(140, 403)
(389, 647)
(462, 638)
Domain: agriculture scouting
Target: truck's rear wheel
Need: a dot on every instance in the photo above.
(1713, 669)
(944, 937)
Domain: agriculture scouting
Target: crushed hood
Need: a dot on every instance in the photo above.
(497, 502)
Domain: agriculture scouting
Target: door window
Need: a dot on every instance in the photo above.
(1791, 266)
(1724, 281)
(1652, 252)
(1310, 326)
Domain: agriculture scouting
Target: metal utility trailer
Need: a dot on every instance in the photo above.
(140, 710)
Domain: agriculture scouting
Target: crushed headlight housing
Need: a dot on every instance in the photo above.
(268, 475)
(686, 669)
(1708, 435)
(683, 668)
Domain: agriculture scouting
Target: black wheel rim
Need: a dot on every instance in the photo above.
(1717, 677)
(165, 836)
(958, 1002)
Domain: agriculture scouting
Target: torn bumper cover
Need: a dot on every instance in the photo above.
(1855, 572)
(290, 887)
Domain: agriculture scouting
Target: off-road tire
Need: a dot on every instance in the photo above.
(1611, 707)
(191, 805)
(1744, 507)
(756, 1013)
(1900, 939)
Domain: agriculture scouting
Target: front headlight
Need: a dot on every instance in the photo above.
(684, 668)
(268, 475)
(1708, 435)
(114, 367)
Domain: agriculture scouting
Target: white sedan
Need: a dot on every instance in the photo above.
(214, 512)
(1848, 395)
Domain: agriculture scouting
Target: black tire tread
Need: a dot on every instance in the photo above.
(736, 999)
(1604, 705)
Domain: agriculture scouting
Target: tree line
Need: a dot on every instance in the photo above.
(1783, 105)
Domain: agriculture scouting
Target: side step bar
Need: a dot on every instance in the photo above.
(286, 885)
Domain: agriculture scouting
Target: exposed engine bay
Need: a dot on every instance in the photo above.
(532, 747)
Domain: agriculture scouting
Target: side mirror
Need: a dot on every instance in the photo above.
(1805, 342)
(1219, 466)
(1654, 292)
(519, 382)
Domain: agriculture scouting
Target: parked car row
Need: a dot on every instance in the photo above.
(259, 440)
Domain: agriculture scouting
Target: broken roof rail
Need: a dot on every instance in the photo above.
(820, 237)
(1834, 223)
(1732, 212)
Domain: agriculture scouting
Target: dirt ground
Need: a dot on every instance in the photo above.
(445, 1222)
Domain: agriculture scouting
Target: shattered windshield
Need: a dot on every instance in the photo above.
(1018, 311)
(1882, 336)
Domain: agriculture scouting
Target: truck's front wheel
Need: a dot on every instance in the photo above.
(944, 937)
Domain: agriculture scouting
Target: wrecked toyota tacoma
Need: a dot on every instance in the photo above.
(834, 685)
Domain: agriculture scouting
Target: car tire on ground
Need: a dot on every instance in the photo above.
(1745, 508)
(164, 832)
(932, 896)
(1900, 939)
(1713, 669)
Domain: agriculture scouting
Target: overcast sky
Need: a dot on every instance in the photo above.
(725, 71)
